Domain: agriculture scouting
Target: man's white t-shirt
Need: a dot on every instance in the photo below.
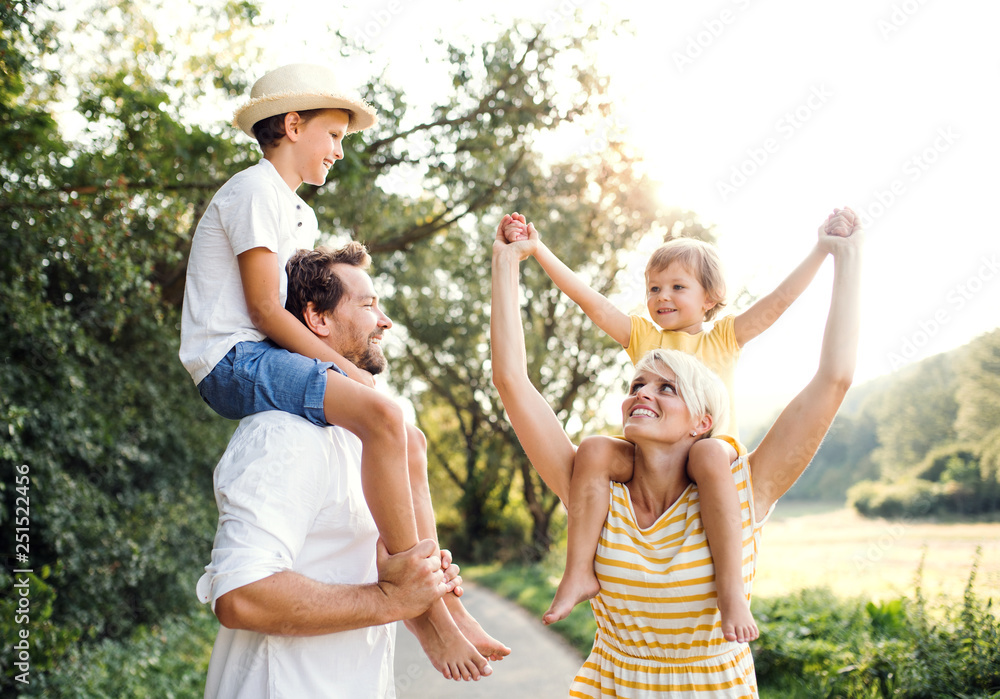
(290, 498)
(254, 209)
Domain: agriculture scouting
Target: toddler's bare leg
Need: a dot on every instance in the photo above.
(598, 461)
(709, 465)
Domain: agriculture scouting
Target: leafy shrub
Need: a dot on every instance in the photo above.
(961, 493)
(911, 498)
(166, 661)
(816, 645)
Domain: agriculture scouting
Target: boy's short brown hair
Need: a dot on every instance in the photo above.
(311, 277)
(270, 130)
(700, 259)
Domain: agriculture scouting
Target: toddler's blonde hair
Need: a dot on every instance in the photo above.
(700, 259)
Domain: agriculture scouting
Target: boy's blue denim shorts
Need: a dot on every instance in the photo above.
(258, 376)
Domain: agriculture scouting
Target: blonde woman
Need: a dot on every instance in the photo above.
(659, 628)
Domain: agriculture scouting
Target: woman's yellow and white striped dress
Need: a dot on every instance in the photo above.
(658, 626)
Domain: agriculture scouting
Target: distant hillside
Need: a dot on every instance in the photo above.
(922, 441)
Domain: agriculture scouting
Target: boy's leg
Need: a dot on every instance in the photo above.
(469, 628)
(709, 465)
(378, 422)
(598, 461)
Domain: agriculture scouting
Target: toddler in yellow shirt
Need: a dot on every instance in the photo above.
(684, 289)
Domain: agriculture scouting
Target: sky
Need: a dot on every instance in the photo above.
(762, 116)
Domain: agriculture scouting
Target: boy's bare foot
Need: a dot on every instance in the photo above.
(488, 647)
(449, 651)
(737, 621)
(573, 589)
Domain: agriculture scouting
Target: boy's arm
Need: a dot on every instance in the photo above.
(762, 315)
(261, 281)
(608, 318)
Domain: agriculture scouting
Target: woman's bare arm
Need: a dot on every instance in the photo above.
(536, 425)
(792, 441)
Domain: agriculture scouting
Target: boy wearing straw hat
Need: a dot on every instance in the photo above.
(248, 354)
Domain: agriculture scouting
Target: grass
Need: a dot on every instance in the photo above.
(876, 558)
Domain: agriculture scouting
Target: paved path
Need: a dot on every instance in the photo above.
(541, 664)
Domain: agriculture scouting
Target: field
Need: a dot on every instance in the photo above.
(811, 545)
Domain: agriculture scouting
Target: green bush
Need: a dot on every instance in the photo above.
(820, 646)
(961, 495)
(166, 661)
(911, 498)
(815, 644)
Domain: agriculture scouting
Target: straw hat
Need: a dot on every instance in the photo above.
(299, 87)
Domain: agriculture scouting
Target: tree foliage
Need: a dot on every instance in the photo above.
(93, 402)
(921, 442)
(107, 165)
(588, 211)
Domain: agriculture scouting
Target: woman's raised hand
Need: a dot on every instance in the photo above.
(517, 235)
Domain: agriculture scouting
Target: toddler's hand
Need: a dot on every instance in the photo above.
(518, 236)
(841, 232)
(841, 222)
(515, 228)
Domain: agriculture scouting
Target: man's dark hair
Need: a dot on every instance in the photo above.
(270, 130)
(311, 277)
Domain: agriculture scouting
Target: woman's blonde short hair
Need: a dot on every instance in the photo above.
(700, 259)
(701, 389)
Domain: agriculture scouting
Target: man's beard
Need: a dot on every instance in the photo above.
(370, 358)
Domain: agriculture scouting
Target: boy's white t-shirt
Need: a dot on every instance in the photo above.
(254, 209)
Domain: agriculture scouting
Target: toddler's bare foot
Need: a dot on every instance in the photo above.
(737, 621)
(487, 646)
(573, 589)
(449, 651)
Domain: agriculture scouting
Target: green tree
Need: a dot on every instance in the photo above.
(93, 402)
(590, 212)
(844, 458)
(916, 412)
(92, 397)
(978, 393)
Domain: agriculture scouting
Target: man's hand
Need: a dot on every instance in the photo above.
(451, 572)
(412, 580)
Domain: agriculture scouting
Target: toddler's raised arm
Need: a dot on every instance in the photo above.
(608, 318)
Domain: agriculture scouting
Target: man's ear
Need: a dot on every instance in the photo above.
(316, 321)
